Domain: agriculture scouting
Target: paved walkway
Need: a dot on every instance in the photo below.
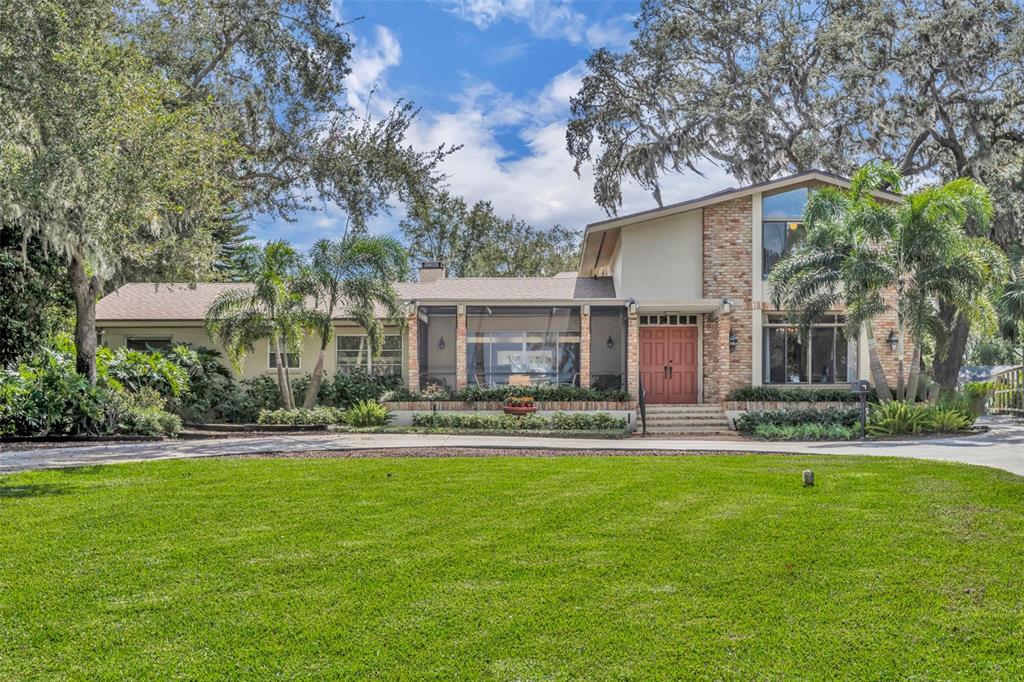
(1001, 448)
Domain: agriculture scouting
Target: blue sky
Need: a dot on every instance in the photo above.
(494, 76)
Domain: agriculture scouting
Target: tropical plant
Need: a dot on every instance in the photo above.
(810, 431)
(898, 417)
(270, 308)
(210, 382)
(858, 251)
(367, 413)
(948, 419)
(352, 278)
(1011, 301)
(137, 370)
(749, 422)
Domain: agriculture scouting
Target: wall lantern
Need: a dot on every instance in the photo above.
(440, 344)
(632, 307)
(732, 340)
(610, 342)
(891, 339)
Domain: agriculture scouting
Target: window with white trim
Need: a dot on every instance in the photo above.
(353, 351)
(820, 354)
(293, 359)
(782, 226)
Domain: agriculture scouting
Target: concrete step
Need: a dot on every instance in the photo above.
(688, 430)
(703, 420)
(658, 409)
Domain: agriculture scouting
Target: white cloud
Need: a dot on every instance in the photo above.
(539, 185)
(545, 19)
(369, 62)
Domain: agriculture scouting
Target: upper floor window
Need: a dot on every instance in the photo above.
(782, 225)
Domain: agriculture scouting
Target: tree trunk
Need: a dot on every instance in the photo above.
(282, 384)
(288, 384)
(946, 368)
(901, 351)
(915, 374)
(316, 378)
(85, 288)
(877, 373)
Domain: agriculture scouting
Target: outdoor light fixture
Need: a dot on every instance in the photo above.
(891, 339)
(632, 306)
(440, 344)
(610, 342)
(732, 340)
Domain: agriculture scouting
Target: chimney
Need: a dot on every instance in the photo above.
(431, 271)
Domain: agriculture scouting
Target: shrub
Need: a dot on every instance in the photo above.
(318, 416)
(210, 382)
(135, 370)
(367, 413)
(948, 420)
(898, 417)
(809, 431)
(242, 403)
(778, 394)
(48, 397)
(839, 416)
(140, 413)
(561, 421)
(977, 394)
(586, 421)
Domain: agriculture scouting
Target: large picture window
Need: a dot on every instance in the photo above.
(818, 355)
(540, 357)
(353, 351)
(782, 226)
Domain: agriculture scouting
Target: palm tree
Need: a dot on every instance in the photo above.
(272, 308)
(1011, 302)
(857, 250)
(353, 277)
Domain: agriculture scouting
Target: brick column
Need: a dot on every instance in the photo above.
(633, 354)
(460, 348)
(585, 346)
(412, 350)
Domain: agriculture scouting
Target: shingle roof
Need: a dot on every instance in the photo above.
(166, 301)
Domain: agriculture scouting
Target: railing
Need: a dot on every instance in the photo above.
(1008, 396)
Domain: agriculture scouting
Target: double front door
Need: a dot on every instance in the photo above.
(668, 364)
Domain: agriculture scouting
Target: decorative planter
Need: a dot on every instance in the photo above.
(520, 409)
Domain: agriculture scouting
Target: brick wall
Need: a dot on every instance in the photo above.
(888, 357)
(460, 348)
(633, 354)
(585, 346)
(728, 242)
(412, 350)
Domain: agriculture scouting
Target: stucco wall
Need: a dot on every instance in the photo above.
(661, 259)
(254, 364)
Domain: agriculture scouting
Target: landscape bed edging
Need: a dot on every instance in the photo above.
(498, 405)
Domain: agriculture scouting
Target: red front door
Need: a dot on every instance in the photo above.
(668, 364)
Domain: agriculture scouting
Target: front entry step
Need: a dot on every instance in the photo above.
(685, 420)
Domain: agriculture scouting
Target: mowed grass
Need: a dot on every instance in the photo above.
(513, 569)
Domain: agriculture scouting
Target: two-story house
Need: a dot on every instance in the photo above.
(674, 297)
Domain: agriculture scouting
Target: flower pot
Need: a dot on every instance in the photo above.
(520, 410)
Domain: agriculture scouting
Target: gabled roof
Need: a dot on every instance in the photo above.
(601, 239)
(727, 195)
(150, 301)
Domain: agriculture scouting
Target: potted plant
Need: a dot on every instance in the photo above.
(520, 404)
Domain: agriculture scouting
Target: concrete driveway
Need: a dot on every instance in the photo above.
(1001, 448)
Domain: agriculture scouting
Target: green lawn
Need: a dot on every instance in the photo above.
(513, 568)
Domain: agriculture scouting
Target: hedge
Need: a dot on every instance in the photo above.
(841, 416)
(560, 421)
